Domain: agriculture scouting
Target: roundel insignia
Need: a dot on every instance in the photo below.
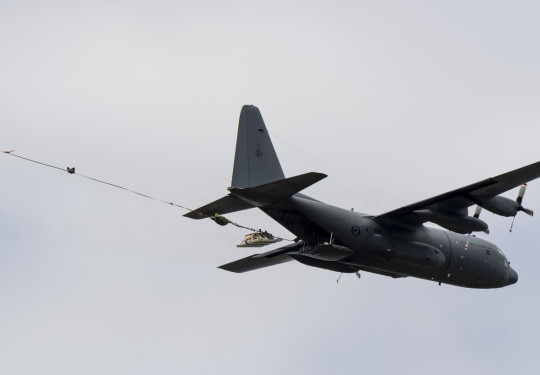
(355, 231)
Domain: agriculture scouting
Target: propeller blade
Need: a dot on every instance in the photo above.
(512, 225)
(519, 200)
(477, 215)
(521, 193)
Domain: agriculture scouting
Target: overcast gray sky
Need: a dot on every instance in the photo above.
(397, 101)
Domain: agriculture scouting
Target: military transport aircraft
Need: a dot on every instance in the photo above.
(395, 244)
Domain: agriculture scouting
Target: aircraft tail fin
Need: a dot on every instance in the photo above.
(255, 160)
(258, 179)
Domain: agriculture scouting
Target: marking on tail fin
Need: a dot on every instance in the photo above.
(258, 151)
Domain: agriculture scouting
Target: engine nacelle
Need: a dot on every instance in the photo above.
(456, 223)
(500, 206)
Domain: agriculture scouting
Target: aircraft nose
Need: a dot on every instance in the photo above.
(512, 276)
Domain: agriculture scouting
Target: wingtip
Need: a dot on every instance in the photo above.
(194, 215)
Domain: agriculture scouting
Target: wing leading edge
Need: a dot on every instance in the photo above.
(453, 204)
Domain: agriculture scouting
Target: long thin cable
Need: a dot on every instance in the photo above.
(134, 192)
(72, 171)
(217, 218)
(297, 151)
(33, 161)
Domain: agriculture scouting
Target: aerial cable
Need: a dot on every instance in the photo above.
(33, 161)
(131, 191)
(217, 218)
(71, 170)
(222, 220)
(297, 151)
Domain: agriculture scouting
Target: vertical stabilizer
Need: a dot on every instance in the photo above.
(255, 160)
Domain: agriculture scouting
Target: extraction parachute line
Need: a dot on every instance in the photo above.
(222, 220)
(33, 161)
(71, 170)
(219, 219)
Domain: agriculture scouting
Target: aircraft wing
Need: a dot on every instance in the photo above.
(457, 201)
(257, 261)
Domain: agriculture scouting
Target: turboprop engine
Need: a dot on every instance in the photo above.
(501, 206)
(504, 206)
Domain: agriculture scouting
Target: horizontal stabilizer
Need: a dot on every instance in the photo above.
(256, 261)
(221, 206)
(258, 196)
(273, 192)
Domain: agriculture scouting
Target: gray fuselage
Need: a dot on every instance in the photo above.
(397, 251)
